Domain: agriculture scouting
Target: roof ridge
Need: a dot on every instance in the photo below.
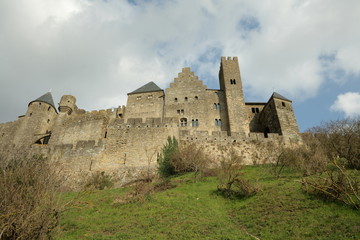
(148, 87)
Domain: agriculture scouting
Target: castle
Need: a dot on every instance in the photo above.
(125, 140)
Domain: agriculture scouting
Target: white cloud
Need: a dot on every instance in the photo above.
(348, 103)
(100, 50)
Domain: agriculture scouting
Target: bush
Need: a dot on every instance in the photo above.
(29, 206)
(190, 158)
(309, 158)
(231, 182)
(341, 139)
(336, 184)
(165, 167)
(100, 181)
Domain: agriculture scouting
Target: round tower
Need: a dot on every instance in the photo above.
(67, 104)
(38, 122)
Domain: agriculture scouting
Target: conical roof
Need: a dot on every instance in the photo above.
(46, 98)
(276, 95)
(149, 87)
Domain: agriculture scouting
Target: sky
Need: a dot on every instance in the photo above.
(100, 50)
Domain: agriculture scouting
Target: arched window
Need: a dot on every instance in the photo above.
(215, 106)
(193, 123)
(218, 106)
(196, 122)
(183, 122)
(216, 122)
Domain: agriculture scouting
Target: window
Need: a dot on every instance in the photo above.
(195, 123)
(105, 135)
(182, 111)
(218, 122)
(257, 110)
(175, 99)
(186, 98)
(253, 110)
(196, 98)
(49, 108)
(48, 120)
(218, 106)
(215, 106)
(138, 98)
(283, 104)
(30, 114)
(183, 122)
(178, 111)
(232, 81)
(150, 96)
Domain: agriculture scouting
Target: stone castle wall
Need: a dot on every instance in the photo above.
(126, 141)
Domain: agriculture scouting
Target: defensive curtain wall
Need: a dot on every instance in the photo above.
(125, 141)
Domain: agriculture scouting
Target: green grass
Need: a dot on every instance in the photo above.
(281, 210)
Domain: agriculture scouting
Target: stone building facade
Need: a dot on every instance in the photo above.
(125, 140)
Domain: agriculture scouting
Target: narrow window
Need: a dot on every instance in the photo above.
(30, 114)
(178, 111)
(231, 81)
(257, 110)
(216, 122)
(105, 134)
(193, 123)
(253, 110)
(39, 103)
(219, 123)
(175, 99)
(196, 98)
(48, 120)
(234, 82)
(182, 111)
(186, 98)
(196, 122)
(215, 106)
(49, 108)
(138, 98)
(218, 106)
(283, 104)
(150, 97)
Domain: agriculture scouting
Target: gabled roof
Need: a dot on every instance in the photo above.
(149, 87)
(46, 98)
(276, 95)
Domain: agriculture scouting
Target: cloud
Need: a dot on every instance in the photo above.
(348, 103)
(100, 50)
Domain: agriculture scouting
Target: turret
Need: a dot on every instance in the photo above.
(230, 83)
(38, 121)
(67, 104)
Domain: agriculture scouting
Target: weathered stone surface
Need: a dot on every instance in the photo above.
(123, 141)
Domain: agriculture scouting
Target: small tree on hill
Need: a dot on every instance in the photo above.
(165, 167)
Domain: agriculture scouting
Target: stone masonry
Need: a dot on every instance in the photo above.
(125, 141)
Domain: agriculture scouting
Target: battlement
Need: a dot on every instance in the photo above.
(223, 59)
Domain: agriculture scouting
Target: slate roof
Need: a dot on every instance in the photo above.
(46, 98)
(149, 87)
(276, 95)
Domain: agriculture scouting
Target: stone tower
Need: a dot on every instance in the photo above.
(67, 104)
(230, 83)
(38, 121)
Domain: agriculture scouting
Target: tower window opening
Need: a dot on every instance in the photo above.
(175, 99)
(138, 98)
(196, 98)
(196, 122)
(48, 120)
(178, 111)
(30, 114)
(183, 122)
(150, 97)
(218, 106)
(182, 111)
(257, 110)
(283, 104)
(253, 110)
(193, 123)
(186, 98)
(215, 106)
(105, 135)
(49, 108)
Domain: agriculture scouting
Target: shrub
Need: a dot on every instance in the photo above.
(309, 158)
(29, 206)
(336, 184)
(231, 183)
(165, 168)
(100, 181)
(341, 139)
(190, 158)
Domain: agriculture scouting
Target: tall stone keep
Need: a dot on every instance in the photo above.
(230, 83)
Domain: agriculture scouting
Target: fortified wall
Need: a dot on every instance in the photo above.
(127, 140)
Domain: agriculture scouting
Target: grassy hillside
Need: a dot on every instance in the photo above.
(281, 210)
